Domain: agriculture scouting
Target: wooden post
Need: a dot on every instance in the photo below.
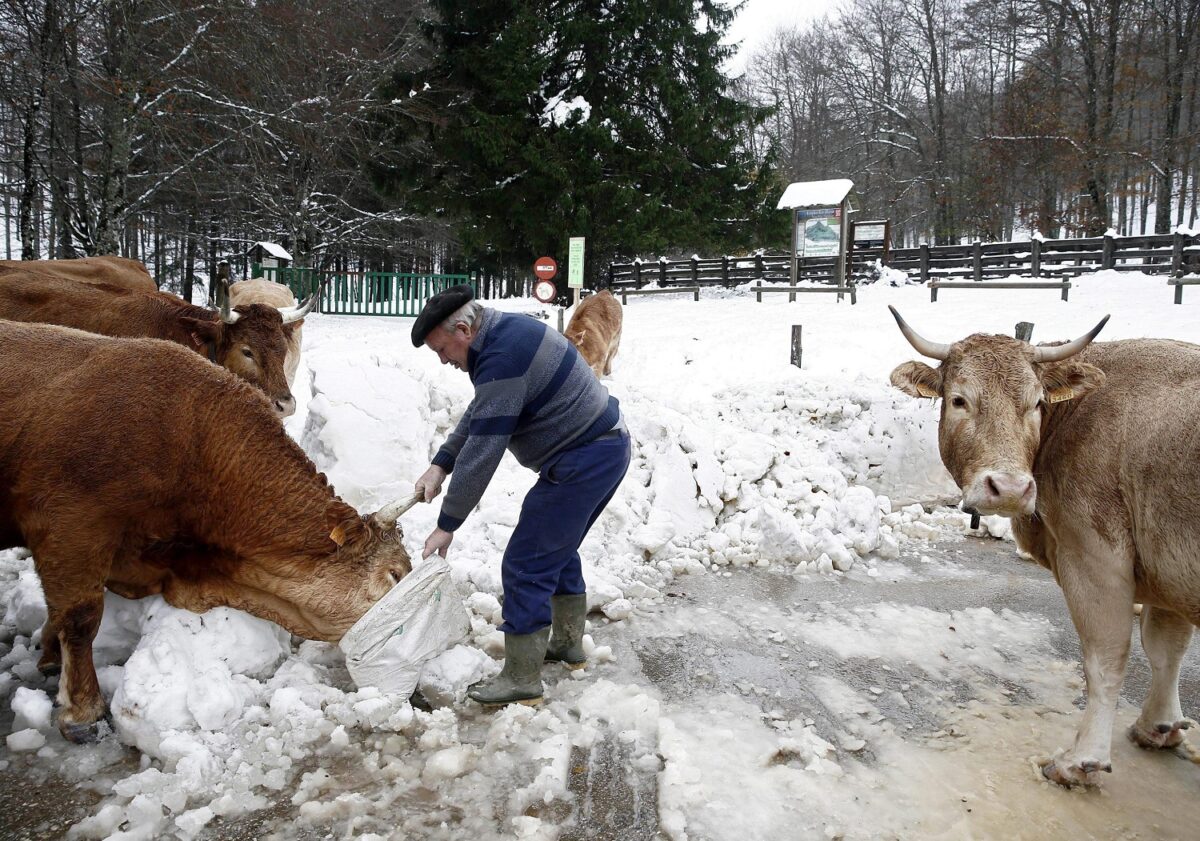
(932, 294)
(637, 276)
(1106, 253)
(797, 349)
(560, 320)
(1025, 330)
(696, 294)
(925, 263)
(759, 266)
(662, 271)
(695, 271)
(610, 276)
(758, 291)
(1036, 257)
(977, 260)
(1066, 289)
(1177, 260)
(725, 271)
(624, 300)
(791, 297)
(1179, 293)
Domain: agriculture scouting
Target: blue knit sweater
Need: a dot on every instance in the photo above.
(534, 395)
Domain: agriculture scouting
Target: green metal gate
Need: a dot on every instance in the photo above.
(365, 293)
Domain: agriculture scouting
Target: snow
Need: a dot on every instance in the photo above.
(742, 465)
(815, 193)
(272, 248)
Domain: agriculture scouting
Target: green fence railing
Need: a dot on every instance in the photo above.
(366, 293)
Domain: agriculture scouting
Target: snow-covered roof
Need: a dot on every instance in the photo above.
(274, 249)
(815, 193)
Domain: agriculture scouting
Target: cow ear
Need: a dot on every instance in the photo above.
(917, 379)
(201, 330)
(344, 524)
(1069, 379)
(291, 327)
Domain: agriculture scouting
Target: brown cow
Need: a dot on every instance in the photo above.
(1109, 432)
(259, 291)
(250, 341)
(595, 329)
(106, 270)
(132, 464)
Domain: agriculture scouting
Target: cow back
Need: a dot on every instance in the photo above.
(106, 270)
(595, 329)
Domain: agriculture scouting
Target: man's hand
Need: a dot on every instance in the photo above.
(430, 483)
(438, 541)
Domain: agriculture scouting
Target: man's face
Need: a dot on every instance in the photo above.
(451, 347)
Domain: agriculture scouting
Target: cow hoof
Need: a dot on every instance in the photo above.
(84, 733)
(1163, 737)
(1075, 774)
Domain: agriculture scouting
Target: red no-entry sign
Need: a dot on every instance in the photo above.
(545, 268)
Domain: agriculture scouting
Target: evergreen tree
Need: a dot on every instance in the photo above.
(609, 119)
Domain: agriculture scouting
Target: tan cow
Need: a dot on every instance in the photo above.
(133, 464)
(106, 270)
(1109, 432)
(595, 330)
(250, 341)
(259, 291)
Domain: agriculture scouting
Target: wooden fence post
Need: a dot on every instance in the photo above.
(977, 260)
(662, 271)
(758, 290)
(1025, 330)
(637, 275)
(725, 272)
(759, 266)
(610, 276)
(695, 271)
(1035, 256)
(924, 262)
(560, 320)
(696, 294)
(1177, 258)
(797, 349)
(1106, 253)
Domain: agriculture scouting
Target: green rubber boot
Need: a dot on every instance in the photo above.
(520, 681)
(569, 614)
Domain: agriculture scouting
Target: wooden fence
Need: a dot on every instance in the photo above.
(1166, 254)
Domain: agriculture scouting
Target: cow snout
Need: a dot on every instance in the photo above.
(1001, 492)
(285, 406)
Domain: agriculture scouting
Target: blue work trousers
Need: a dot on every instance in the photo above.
(542, 557)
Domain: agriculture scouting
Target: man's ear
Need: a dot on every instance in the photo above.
(201, 330)
(917, 379)
(1069, 379)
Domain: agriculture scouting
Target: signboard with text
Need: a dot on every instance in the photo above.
(575, 262)
(819, 232)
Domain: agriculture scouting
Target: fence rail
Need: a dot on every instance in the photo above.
(366, 293)
(1166, 254)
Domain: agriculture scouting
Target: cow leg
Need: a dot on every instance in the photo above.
(50, 663)
(1165, 638)
(1098, 586)
(79, 690)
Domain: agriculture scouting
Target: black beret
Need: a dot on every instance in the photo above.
(438, 308)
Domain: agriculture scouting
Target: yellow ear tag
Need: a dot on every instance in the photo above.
(926, 391)
(338, 535)
(1058, 395)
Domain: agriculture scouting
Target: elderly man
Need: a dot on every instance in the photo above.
(536, 397)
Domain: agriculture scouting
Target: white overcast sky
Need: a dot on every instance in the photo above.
(758, 19)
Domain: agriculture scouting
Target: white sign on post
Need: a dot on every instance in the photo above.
(575, 263)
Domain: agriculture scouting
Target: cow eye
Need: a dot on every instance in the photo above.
(247, 353)
(958, 401)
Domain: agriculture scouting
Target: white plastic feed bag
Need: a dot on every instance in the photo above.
(419, 618)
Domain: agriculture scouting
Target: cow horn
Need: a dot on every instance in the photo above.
(923, 346)
(228, 314)
(390, 513)
(291, 314)
(1058, 353)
